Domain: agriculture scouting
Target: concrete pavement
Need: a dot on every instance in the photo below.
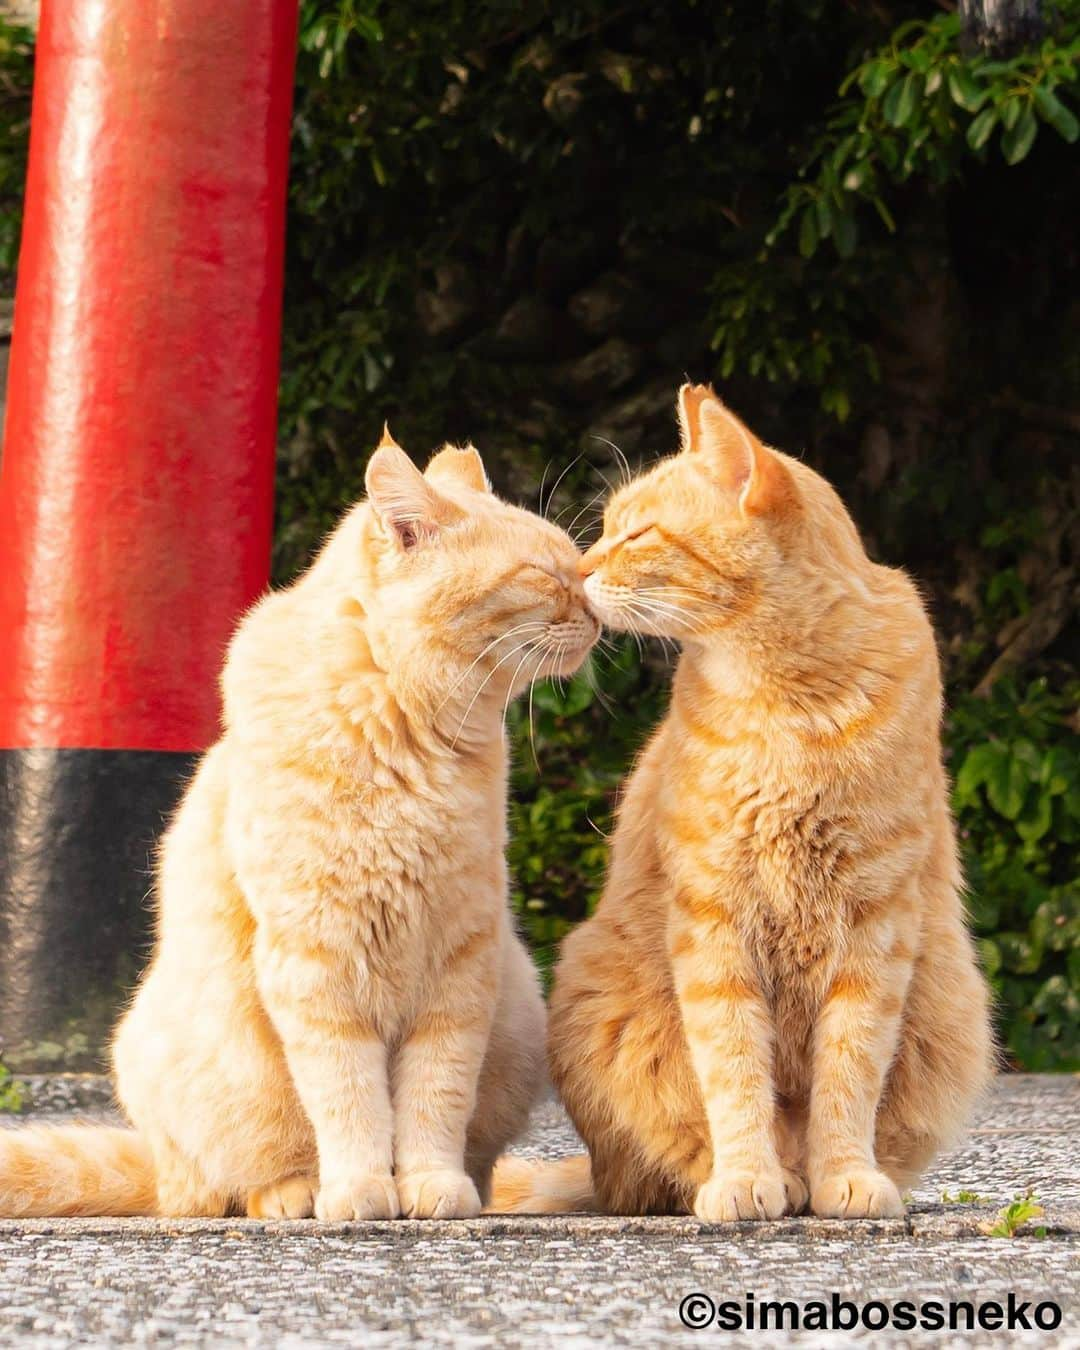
(573, 1281)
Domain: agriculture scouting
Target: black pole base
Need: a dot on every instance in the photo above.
(77, 833)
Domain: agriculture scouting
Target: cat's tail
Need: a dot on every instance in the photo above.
(532, 1186)
(64, 1171)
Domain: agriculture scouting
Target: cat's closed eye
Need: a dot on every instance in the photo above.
(537, 570)
(629, 535)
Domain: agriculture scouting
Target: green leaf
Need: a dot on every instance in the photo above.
(885, 214)
(1036, 818)
(845, 233)
(1025, 752)
(874, 78)
(918, 59)
(1056, 924)
(1055, 997)
(979, 763)
(579, 695)
(1006, 785)
(1018, 140)
(979, 131)
(1019, 953)
(1055, 112)
(808, 233)
(901, 99)
(837, 402)
(965, 89)
(566, 701)
(1058, 770)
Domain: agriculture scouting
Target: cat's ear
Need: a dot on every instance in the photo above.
(458, 464)
(407, 506)
(735, 458)
(691, 397)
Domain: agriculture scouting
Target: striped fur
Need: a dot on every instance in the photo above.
(74, 1171)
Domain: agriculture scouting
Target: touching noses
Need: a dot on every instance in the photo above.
(590, 561)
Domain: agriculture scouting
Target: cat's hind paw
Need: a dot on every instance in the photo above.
(290, 1198)
(440, 1193)
(866, 1194)
(732, 1196)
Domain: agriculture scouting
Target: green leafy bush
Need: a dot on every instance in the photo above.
(917, 108)
(1017, 799)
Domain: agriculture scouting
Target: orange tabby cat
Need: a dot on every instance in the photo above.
(776, 1000)
(339, 1018)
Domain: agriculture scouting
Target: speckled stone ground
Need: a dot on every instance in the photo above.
(573, 1281)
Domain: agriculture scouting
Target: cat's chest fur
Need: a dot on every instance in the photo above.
(383, 860)
(422, 834)
(781, 861)
(781, 856)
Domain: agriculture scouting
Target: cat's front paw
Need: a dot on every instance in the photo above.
(741, 1195)
(863, 1194)
(438, 1193)
(367, 1197)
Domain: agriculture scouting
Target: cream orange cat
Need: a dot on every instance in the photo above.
(339, 1018)
(777, 1000)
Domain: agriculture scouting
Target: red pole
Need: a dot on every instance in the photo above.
(136, 492)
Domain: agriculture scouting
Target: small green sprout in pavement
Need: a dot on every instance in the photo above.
(1014, 1216)
(962, 1198)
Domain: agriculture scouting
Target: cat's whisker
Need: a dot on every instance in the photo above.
(651, 616)
(692, 619)
(607, 480)
(692, 600)
(582, 541)
(531, 624)
(557, 517)
(486, 681)
(502, 637)
(624, 463)
(598, 693)
(555, 485)
(540, 494)
(532, 734)
(655, 610)
(589, 505)
(564, 678)
(537, 652)
(589, 820)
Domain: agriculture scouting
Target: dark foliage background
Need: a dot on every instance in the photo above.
(524, 224)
